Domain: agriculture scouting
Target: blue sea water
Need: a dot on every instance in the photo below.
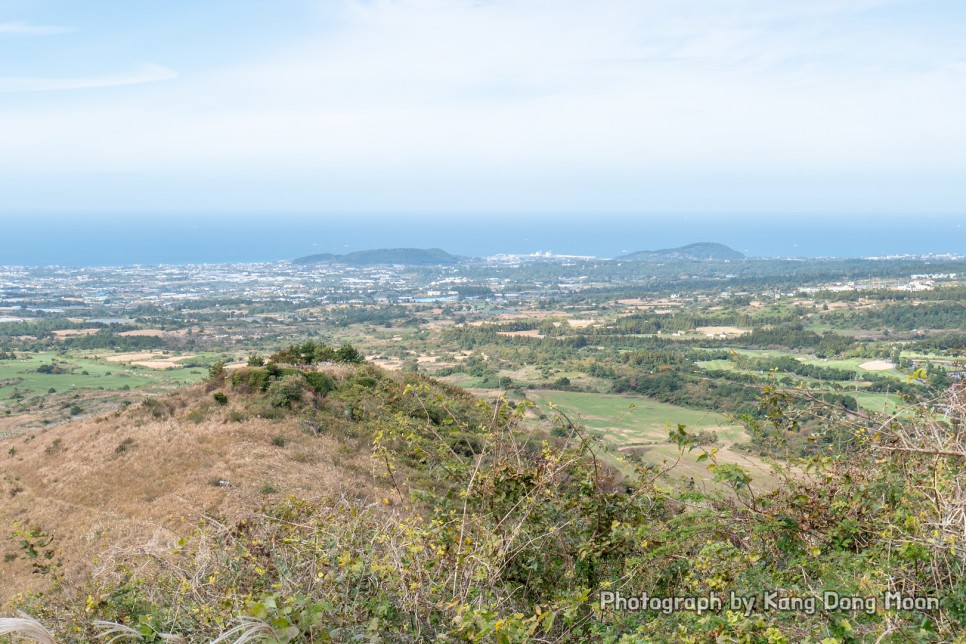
(84, 240)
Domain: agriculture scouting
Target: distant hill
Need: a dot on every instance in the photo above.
(314, 259)
(701, 251)
(409, 256)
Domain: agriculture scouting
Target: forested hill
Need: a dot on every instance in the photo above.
(410, 256)
(699, 251)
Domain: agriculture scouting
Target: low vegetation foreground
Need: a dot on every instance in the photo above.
(672, 446)
(306, 499)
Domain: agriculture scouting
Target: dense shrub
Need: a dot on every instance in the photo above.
(288, 391)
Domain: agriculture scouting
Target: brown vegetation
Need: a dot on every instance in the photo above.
(97, 496)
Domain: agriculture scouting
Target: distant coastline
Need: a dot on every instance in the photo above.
(103, 241)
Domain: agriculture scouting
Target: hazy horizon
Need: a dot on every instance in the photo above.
(182, 239)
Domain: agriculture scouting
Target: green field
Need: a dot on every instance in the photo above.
(849, 364)
(21, 378)
(463, 380)
(878, 403)
(631, 419)
(762, 353)
(643, 430)
(717, 365)
(943, 357)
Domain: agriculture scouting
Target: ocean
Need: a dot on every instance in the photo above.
(85, 240)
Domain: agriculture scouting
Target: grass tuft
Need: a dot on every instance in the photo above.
(26, 627)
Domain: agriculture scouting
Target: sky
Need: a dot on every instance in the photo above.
(542, 108)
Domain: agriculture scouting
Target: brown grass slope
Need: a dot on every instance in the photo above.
(141, 477)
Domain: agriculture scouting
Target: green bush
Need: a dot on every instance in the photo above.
(216, 372)
(287, 392)
(254, 379)
(320, 382)
(197, 416)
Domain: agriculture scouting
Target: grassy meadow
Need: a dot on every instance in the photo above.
(640, 426)
(85, 371)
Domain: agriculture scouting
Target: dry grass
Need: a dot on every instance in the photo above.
(167, 363)
(119, 633)
(131, 357)
(248, 629)
(26, 627)
(150, 359)
(392, 364)
(66, 333)
(721, 330)
(530, 333)
(89, 495)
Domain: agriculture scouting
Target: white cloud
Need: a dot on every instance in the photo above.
(25, 29)
(628, 104)
(141, 75)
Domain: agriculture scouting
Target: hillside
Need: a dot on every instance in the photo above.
(143, 475)
(130, 478)
(311, 501)
(701, 251)
(407, 256)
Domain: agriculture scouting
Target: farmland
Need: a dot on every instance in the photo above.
(686, 411)
(693, 347)
(631, 420)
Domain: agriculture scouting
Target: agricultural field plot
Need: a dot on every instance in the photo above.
(870, 401)
(860, 366)
(530, 375)
(761, 353)
(728, 365)
(720, 331)
(467, 381)
(25, 377)
(631, 419)
(717, 365)
(686, 466)
(643, 430)
(151, 360)
(878, 403)
(935, 357)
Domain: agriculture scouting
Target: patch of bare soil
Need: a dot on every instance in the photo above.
(877, 365)
(66, 333)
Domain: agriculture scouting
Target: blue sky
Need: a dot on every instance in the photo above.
(536, 107)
